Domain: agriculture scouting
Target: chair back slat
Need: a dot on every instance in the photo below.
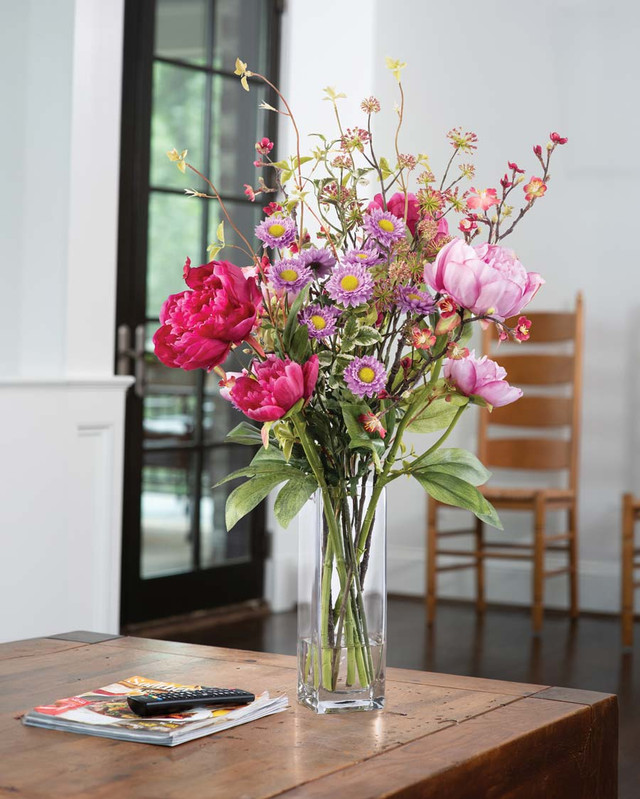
(546, 327)
(527, 453)
(537, 370)
(534, 412)
(548, 363)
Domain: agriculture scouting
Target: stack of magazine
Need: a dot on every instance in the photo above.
(105, 712)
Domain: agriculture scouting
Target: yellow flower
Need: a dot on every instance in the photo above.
(395, 66)
(241, 69)
(332, 94)
(174, 155)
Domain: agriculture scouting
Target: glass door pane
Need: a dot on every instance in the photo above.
(179, 91)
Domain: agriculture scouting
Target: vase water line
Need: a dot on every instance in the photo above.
(342, 602)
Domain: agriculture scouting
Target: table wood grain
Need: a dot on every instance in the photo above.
(443, 736)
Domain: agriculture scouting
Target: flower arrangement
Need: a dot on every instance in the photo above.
(356, 314)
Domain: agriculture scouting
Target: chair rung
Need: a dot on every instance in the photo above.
(459, 552)
(507, 555)
(557, 548)
(555, 572)
(449, 533)
(456, 566)
(559, 537)
(507, 545)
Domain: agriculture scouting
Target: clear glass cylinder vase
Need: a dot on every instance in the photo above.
(342, 600)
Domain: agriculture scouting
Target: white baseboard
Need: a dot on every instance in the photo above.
(507, 582)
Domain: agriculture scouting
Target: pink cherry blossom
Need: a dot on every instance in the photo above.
(483, 198)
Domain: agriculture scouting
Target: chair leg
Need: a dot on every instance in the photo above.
(481, 605)
(432, 541)
(573, 562)
(627, 570)
(537, 608)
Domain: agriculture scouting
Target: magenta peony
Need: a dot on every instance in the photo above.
(395, 205)
(275, 387)
(481, 377)
(486, 279)
(199, 326)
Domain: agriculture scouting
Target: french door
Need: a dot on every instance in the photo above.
(179, 91)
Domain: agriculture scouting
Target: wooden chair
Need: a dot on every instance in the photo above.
(540, 371)
(630, 515)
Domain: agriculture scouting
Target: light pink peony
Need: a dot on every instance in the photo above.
(395, 205)
(199, 327)
(275, 388)
(481, 377)
(484, 279)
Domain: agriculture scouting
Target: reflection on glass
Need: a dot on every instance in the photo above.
(166, 508)
(218, 415)
(169, 400)
(217, 546)
(240, 27)
(174, 233)
(236, 125)
(177, 120)
(245, 216)
(181, 27)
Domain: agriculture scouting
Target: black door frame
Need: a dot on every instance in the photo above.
(160, 597)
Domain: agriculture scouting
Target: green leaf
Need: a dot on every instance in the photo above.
(358, 436)
(350, 330)
(246, 434)
(454, 461)
(292, 322)
(262, 469)
(367, 336)
(245, 497)
(292, 497)
(436, 416)
(300, 350)
(385, 168)
(453, 491)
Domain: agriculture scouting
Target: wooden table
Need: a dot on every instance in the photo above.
(439, 736)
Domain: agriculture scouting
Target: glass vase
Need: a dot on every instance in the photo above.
(342, 600)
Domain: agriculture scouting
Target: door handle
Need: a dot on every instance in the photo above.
(126, 353)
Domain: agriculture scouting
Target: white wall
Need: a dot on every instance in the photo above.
(513, 72)
(61, 406)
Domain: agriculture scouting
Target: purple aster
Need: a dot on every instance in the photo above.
(383, 226)
(320, 320)
(289, 274)
(411, 299)
(277, 231)
(321, 262)
(350, 285)
(366, 257)
(365, 376)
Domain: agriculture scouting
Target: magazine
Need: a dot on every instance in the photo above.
(105, 712)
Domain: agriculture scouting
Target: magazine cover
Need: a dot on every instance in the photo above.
(105, 712)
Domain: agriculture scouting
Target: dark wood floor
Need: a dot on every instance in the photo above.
(586, 654)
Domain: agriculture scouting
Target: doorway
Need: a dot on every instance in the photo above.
(179, 91)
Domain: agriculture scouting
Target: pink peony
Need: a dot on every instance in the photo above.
(275, 387)
(395, 205)
(486, 279)
(481, 377)
(199, 327)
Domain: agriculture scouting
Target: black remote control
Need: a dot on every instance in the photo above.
(164, 703)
